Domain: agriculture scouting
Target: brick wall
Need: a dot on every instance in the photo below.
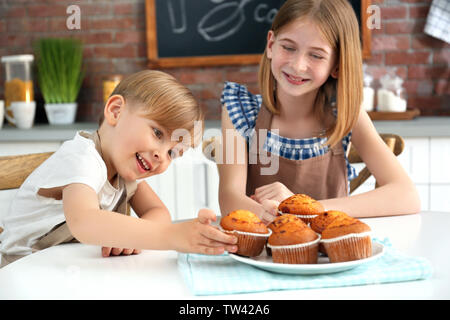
(113, 33)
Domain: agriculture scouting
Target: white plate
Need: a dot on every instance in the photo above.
(323, 265)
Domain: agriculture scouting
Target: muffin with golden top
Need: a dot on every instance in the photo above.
(347, 239)
(292, 241)
(302, 205)
(251, 232)
(319, 223)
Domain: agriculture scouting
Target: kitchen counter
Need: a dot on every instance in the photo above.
(419, 127)
(77, 271)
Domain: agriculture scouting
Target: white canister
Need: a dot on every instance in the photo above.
(2, 112)
(368, 92)
(368, 97)
(391, 97)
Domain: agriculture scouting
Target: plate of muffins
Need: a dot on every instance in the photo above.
(302, 239)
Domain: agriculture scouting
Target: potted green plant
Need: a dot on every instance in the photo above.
(60, 75)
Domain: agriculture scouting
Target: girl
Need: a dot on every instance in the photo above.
(80, 191)
(308, 112)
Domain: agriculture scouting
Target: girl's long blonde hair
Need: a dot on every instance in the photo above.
(339, 25)
(162, 99)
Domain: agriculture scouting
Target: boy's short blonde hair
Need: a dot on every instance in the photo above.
(339, 25)
(162, 99)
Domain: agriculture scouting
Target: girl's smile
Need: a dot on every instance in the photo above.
(301, 62)
(295, 80)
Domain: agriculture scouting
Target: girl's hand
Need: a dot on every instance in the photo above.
(270, 211)
(107, 251)
(274, 191)
(199, 236)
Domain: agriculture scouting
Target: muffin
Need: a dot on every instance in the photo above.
(292, 241)
(347, 239)
(319, 223)
(301, 205)
(275, 225)
(251, 232)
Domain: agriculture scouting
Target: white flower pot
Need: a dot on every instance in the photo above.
(61, 113)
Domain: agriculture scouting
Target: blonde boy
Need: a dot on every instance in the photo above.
(83, 190)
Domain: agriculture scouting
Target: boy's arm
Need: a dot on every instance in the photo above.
(148, 205)
(91, 225)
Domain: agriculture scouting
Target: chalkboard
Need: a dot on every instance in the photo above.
(216, 32)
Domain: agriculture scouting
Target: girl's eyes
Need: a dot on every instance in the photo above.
(290, 49)
(158, 133)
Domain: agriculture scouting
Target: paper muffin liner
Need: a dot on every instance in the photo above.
(321, 246)
(302, 253)
(307, 218)
(353, 246)
(249, 244)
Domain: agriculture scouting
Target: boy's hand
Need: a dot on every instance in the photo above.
(274, 191)
(107, 251)
(199, 236)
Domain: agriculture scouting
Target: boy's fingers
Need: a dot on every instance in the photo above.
(231, 249)
(212, 251)
(106, 251)
(116, 251)
(127, 251)
(219, 236)
(205, 215)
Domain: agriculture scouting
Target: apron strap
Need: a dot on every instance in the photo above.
(59, 234)
(263, 122)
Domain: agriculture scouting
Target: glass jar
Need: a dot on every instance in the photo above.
(109, 84)
(391, 95)
(18, 80)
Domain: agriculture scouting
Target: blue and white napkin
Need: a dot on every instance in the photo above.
(219, 275)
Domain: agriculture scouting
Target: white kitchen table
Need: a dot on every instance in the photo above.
(77, 271)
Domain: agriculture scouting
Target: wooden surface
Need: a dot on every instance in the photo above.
(15, 169)
(394, 142)
(407, 115)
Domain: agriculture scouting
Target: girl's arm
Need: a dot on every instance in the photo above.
(396, 194)
(89, 224)
(232, 166)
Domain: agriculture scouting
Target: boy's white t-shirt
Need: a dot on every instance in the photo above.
(31, 216)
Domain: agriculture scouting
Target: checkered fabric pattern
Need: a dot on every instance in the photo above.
(220, 275)
(243, 108)
(438, 20)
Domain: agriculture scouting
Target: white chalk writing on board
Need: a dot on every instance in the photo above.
(223, 29)
(181, 5)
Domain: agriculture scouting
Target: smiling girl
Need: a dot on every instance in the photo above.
(82, 192)
(307, 115)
